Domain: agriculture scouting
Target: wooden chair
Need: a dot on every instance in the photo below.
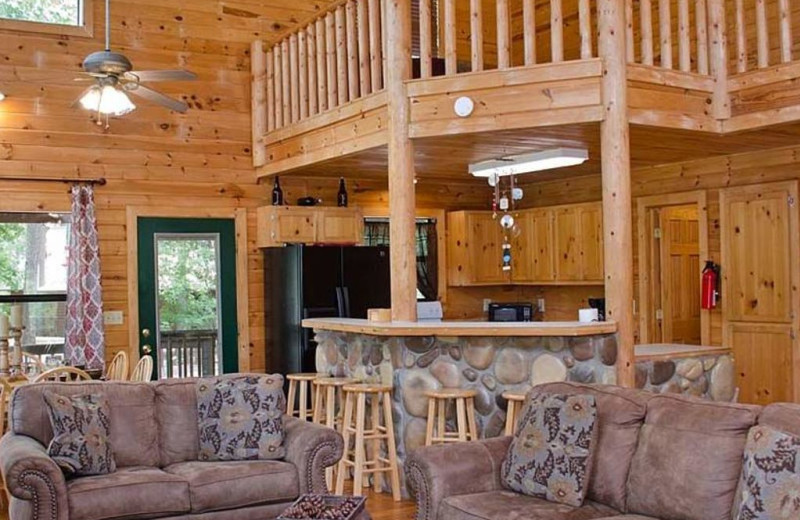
(515, 403)
(33, 361)
(299, 388)
(143, 371)
(63, 374)
(118, 368)
(327, 400)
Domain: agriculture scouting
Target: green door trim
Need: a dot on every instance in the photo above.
(147, 228)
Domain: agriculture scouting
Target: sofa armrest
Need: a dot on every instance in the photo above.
(30, 474)
(434, 473)
(312, 448)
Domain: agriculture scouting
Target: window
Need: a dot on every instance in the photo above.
(376, 233)
(33, 273)
(69, 17)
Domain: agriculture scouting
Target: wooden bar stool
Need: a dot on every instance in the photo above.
(355, 403)
(327, 400)
(301, 382)
(466, 428)
(515, 402)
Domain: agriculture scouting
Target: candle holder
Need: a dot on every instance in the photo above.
(16, 372)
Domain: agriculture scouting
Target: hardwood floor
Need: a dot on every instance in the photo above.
(380, 507)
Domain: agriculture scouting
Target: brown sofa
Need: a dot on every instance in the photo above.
(657, 457)
(155, 442)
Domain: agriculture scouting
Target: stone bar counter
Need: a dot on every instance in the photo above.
(492, 358)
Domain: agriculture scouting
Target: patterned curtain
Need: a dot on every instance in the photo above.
(85, 338)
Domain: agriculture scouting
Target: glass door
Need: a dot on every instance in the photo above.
(187, 296)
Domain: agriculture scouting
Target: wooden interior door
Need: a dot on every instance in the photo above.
(760, 295)
(680, 274)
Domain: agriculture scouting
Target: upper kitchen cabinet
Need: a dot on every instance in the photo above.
(578, 232)
(474, 248)
(280, 225)
(559, 245)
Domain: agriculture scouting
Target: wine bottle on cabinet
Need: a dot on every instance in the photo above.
(341, 197)
(277, 193)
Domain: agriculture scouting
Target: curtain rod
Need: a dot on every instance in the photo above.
(100, 181)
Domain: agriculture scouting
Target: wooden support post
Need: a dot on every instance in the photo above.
(585, 28)
(258, 88)
(665, 32)
(476, 33)
(322, 79)
(720, 101)
(701, 22)
(450, 43)
(302, 57)
(402, 223)
(556, 31)
(646, 19)
(529, 30)
(503, 35)
(287, 96)
(684, 39)
(294, 71)
(425, 39)
(629, 48)
(365, 80)
(785, 16)
(270, 90)
(741, 38)
(616, 178)
(762, 34)
(278, 51)
(375, 45)
(330, 60)
(341, 56)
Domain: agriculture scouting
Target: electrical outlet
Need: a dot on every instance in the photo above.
(540, 305)
(486, 302)
(112, 318)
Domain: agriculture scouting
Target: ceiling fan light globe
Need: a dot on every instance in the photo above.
(107, 100)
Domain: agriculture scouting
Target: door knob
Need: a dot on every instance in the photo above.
(147, 349)
(146, 333)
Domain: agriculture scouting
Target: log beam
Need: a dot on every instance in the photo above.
(616, 177)
(402, 248)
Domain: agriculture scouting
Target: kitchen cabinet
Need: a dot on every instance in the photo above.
(474, 249)
(558, 245)
(280, 225)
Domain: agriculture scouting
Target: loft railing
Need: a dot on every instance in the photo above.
(760, 33)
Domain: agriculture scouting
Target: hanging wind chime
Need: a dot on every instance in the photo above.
(504, 203)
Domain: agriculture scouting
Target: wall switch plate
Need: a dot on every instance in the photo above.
(540, 304)
(112, 318)
(486, 302)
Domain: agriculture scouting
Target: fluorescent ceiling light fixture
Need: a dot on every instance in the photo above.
(107, 100)
(530, 162)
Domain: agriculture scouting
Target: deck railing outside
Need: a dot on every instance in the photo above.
(188, 353)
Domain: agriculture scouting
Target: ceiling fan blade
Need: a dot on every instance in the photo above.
(160, 75)
(157, 97)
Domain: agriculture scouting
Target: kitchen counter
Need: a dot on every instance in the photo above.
(662, 351)
(462, 328)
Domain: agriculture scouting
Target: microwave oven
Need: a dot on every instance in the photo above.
(510, 312)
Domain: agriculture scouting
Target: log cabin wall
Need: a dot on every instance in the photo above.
(152, 158)
(710, 175)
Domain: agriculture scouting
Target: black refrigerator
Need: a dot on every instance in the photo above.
(317, 282)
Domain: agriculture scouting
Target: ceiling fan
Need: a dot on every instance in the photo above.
(114, 79)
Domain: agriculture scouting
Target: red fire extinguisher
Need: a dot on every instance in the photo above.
(710, 292)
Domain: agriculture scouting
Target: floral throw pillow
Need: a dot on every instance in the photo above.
(241, 417)
(81, 425)
(770, 485)
(550, 455)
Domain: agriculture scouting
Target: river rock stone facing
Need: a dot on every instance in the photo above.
(492, 366)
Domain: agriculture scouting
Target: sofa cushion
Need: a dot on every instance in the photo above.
(782, 416)
(692, 449)
(80, 424)
(241, 417)
(770, 485)
(235, 484)
(133, 430)
(551, 452)
(126, 493)
(620, 414)
(505, 505)
(176, 415)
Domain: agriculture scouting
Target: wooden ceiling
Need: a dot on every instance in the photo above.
(444, 160)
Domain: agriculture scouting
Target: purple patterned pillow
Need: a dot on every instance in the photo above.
(81, 425)
(241, 417)
(550, 455)
(770, 485)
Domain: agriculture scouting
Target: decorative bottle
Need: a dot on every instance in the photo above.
(277, 193)
(341, 197)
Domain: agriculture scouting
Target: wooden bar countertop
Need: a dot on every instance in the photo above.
(461, 328)
(664, 351)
